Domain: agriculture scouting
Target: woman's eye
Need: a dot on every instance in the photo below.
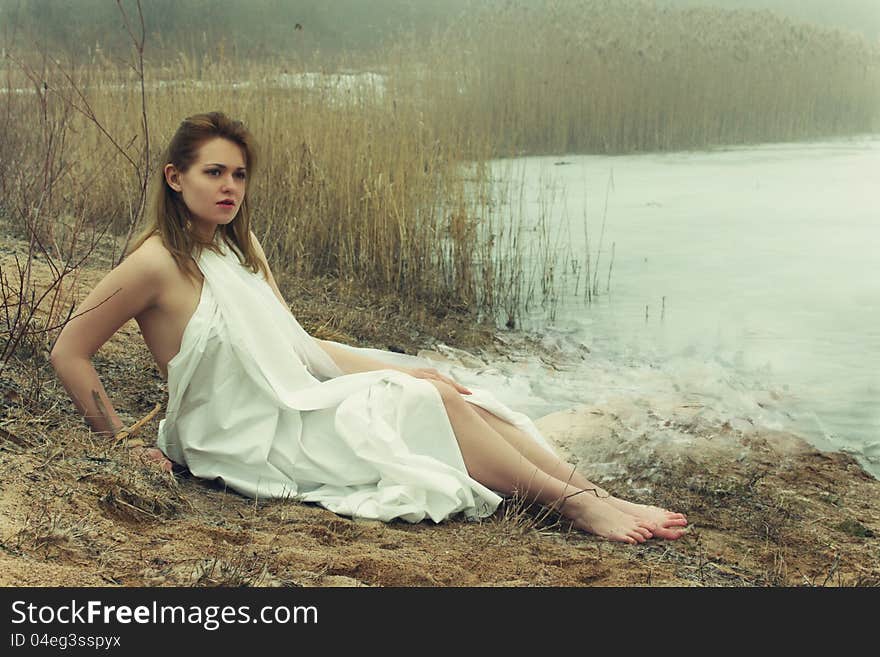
(212, 172)
(241, 175)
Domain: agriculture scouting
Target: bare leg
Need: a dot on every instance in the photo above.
(493, 462)
(663, 523)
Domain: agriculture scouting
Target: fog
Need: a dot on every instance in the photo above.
(861, 16)
(274, 27)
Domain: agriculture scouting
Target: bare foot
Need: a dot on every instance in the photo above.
(596, 516)
(663, 523)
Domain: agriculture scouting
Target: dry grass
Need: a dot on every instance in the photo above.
(364, 179)
(78, 511)
(368, 189)
(618, 76)
(352, 185)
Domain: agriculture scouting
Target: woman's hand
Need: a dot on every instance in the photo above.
(152, 456)
(126, 436)
(431, 373)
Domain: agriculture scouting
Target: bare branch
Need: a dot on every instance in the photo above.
(62, 324)
(145, 172)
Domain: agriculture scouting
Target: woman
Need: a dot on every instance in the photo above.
(256, 402)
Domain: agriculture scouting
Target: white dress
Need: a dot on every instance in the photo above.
(255, 402)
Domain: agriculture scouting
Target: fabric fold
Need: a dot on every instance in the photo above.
(255, 402)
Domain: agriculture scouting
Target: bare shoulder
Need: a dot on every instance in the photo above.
(135, 286)
(154, 262)
(152, 258)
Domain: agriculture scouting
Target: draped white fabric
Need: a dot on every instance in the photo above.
(256, 402)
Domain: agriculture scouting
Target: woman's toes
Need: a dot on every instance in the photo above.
(675, 522)
(671, 534)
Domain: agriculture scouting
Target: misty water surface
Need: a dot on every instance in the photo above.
(768, 260)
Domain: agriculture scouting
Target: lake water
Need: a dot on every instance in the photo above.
(748, 278)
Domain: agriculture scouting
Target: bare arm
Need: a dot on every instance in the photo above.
(125, 292)
(348, 361)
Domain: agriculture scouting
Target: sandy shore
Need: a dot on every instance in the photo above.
(765, 507)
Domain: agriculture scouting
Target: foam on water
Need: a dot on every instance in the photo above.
(745, 280)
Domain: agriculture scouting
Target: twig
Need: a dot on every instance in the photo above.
(134, 428)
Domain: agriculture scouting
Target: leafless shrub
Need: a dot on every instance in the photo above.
(49, 197)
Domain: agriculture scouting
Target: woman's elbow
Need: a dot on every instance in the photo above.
(57, 357)
(61, 355)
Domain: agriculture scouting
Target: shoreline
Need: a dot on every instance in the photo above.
(785, 515)
(765, 508)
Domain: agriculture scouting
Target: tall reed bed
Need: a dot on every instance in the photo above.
(388, 184)
(350, 182)
(617, 76)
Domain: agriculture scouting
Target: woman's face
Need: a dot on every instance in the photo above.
(213, 187)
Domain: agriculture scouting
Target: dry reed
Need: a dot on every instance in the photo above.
(366, 177)
(351, 183)
(618, 76)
